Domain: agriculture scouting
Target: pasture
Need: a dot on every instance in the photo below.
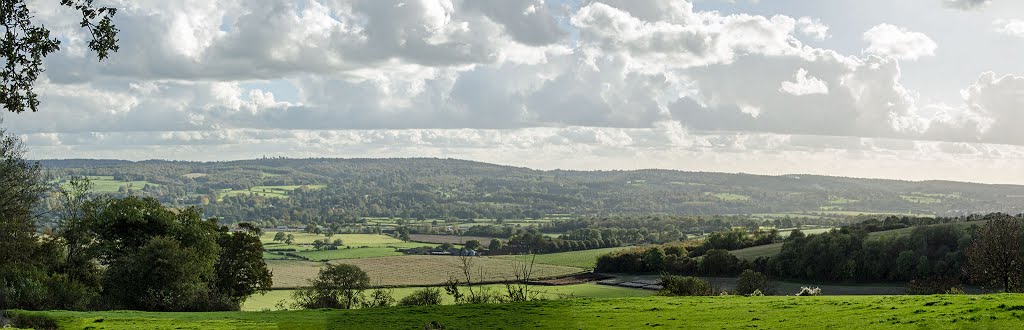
(1002, 311)
(107, 184)
(267, 191)
(411, 270)
(283, 298)
(453, 239)
(582, 259)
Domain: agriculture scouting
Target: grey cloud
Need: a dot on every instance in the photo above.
(965, 4)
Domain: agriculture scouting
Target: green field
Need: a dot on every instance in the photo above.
(730, 197)
(326, 255)
(107, 184)
(271, 300)
(267, 191)
(582, 259)
(734, 312)
(411, 270)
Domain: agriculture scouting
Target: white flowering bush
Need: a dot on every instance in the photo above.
(807, 291)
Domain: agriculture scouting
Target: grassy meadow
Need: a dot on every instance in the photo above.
(1004, 311)
(272, 299)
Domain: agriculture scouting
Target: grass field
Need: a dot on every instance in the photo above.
(107, 184)
(357, 253)
(582, 259)
(412, 270)
(730, 197)
(733, 312)
(267, 191)
(272, 299)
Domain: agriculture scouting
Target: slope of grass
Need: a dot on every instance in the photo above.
(582, 259)
(272, 299)
(836, 312)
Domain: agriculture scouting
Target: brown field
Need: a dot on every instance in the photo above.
(440, 239)
(412, 270)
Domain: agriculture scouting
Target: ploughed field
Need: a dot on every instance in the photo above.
(1003, 311)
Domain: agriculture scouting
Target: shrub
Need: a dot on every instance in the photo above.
(806, 291)
(673, 285)
(422, 297)
(926, 286)
(379, 297)
(757, 293)
(750, 281)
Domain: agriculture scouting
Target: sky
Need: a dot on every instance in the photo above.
(899, 89)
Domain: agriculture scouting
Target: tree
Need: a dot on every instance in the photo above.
(750, 281)
(473, 244)
(290, 239)
(337, 286)
(240, 270)
(280, 236)
(162, 275)
(674, 285)
(495, 245)
(996, 256)
(21, 190)
(380, 297)
(422, 297)
(27, 44)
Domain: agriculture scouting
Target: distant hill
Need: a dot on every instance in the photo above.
(447, 188)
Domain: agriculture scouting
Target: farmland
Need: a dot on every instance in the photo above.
(267, 191)
(439, 239)
(410, 270)
(354, 246)
(582, 259)
(1003, 311)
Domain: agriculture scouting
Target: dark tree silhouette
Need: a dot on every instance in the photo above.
(996, 255)
(25, 44)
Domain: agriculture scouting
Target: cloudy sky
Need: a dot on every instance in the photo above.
(906, 89)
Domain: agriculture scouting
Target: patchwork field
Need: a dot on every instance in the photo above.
(354, 246)
(582, 259)
(413, 270)
(273, 299)
(267, 191)
(439, 239)
(1004, 311)
(107, 184)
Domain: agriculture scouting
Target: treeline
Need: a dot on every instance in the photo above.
(116, 253)
(935, 256)
(453, 189)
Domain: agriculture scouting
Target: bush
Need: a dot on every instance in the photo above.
(927, 286)
(379, 297)
(24, 320)
(422, 297)
(806, 291)
(750, 281)
(757, 293)
(673, 285)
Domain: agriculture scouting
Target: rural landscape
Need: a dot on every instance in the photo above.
(511, 164)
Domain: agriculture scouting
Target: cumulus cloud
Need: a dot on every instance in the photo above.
(804, 85)
(966, 4)
(385, 77)
(1010, 27)
(898, 42)
(813, 27)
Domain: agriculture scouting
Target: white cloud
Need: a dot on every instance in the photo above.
(804, 85)
(813, 28)
(605, 77)
(898, 42)
(1010, 27)
(966, 4)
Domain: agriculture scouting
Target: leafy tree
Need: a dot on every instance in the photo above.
(422, 297)
(240, 270)
(337, 286)
(160, 275)
(280, 236)
(21, 190)
(473, 244)
(996, 256)
(26, 45)
(380, 297)
(750, 281)
(674, 285)
(290, 239)
(495, 245)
